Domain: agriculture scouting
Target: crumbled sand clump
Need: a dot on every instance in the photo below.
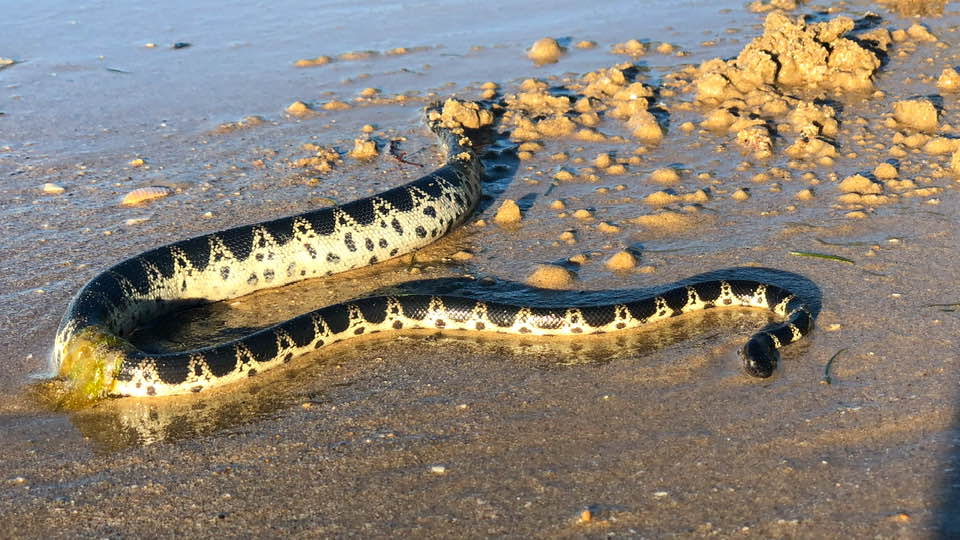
(756, 138)
(665, 197)
(792, 53)
(336, 105)
(919, 32)
(536, 112)
(545, 51)
(364, 149)
(299, 108)
(919, 114)
(860, 190)
(941, 145)
(645, 126)
(550, 276)
(631, 47)
(810, 119)
(949, 80)
(313, 62)
(508, 214)
(885, 171)
(859, 184)
(915, 8)
(246, 122)
(621, 261)
(755, 97)
(357, 55)
(607, 227)
(955, 162)
(467, 114)
(324, 158)
(668, 221)
(763, 6)
(665, 175)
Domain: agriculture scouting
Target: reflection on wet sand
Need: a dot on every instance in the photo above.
(113, 425)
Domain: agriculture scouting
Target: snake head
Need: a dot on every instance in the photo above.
(89, 363)
(759, 356)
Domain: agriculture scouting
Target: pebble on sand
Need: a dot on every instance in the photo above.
(53, 189)
(145, 194)
(550, 276)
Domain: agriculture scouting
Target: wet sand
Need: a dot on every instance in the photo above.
(649, 435)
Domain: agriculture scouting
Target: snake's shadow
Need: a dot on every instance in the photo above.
(500, 161)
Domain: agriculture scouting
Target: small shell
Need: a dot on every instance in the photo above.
(53, 189)
(144, 194)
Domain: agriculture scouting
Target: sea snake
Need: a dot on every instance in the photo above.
(93, 358)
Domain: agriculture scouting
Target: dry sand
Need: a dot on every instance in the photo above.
(652, 434)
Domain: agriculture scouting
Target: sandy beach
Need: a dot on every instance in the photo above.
(815, 144)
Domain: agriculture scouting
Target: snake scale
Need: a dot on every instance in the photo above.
(93, 358)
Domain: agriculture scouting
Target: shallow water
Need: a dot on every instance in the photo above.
(658, 434)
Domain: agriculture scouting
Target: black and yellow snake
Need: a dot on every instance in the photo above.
(92, 355)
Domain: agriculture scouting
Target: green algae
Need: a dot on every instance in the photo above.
(91, 360)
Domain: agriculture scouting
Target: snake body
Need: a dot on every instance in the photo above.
(93, 357)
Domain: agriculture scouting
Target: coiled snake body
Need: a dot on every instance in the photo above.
(95, 360)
